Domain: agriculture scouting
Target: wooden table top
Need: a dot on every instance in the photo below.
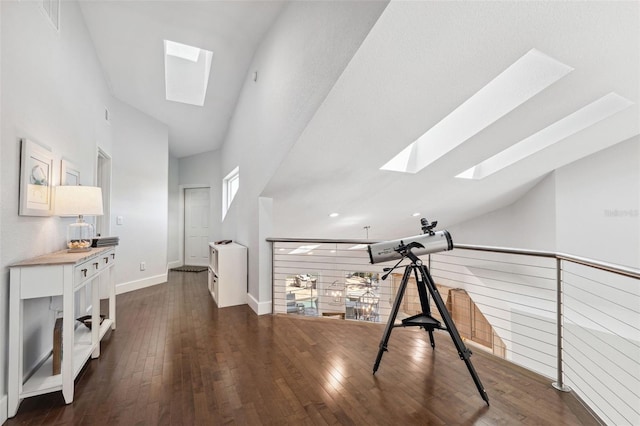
(61, 257)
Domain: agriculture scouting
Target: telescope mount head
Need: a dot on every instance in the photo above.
(427, 228)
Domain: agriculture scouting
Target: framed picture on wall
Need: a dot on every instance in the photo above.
(36, 179)
(69, 173)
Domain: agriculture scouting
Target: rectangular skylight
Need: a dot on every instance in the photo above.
(525, 78)
(183, 51)
(562, 129)
(186, 71)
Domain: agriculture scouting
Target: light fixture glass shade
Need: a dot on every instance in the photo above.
(78, 201)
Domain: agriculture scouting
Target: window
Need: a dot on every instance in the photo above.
(230, 186)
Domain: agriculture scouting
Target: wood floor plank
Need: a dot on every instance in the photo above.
(176, 359)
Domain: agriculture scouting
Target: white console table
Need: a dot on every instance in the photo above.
(57, 274)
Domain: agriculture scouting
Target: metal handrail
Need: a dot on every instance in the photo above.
(609, 267)
(559, 258)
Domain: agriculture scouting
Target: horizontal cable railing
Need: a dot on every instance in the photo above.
(517, 296)
(331, 279)
(565, 317)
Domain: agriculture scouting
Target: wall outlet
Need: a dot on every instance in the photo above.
(143, 266)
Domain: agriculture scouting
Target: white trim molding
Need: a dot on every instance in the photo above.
(3, 409)
(260, 308)
(140, 284)
(174, 264)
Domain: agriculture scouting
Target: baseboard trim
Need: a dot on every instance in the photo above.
(260, 308)
(3, 409)
(174, 264)
(140, 284)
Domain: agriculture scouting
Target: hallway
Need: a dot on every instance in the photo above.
(178, 359)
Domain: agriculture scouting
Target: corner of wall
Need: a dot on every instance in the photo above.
(140, 284)
(3, 409)
(260, 308)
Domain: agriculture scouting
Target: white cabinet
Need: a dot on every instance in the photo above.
(228, 274)
(57, 274)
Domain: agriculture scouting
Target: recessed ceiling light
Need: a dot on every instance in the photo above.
(524, 79)
(587, 116)
(415, 214)
(186, 72)
(334, 214)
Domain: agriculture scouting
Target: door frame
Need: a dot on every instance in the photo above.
(103, 223)
(181, 190)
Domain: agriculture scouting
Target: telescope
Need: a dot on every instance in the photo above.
(426, 243)
(412, 247)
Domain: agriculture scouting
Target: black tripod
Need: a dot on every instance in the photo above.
(425, 320)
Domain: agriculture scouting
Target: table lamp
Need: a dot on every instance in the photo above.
(78, 201)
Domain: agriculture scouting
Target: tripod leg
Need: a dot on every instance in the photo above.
(392, 318)
(424, 302)
(463, 352)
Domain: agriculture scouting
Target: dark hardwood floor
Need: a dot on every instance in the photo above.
(178, 359)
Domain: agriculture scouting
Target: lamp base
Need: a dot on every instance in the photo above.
(80, 236)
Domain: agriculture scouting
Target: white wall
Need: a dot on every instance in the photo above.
(54, 93)
(598, 204)
(173, 258)
(588, 208)
(140, 185)
(3, 288)
(530, 222)
(202, 170)
(298, 63)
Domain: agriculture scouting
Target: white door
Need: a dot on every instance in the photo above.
(196, 226)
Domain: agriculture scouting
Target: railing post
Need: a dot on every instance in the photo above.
(559, 322)
(273, 278)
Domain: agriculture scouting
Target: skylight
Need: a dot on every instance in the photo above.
(525, 78)
(186, 71)
(571, 124)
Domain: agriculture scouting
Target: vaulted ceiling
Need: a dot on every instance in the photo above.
(421, 61)
(128, 37)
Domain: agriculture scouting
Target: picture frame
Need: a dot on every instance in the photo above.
(37, 175)
(69, 173)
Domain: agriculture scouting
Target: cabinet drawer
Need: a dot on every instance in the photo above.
(91, 267)
(106, 259)
(85, 270)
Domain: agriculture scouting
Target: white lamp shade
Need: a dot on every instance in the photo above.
(78, 200)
